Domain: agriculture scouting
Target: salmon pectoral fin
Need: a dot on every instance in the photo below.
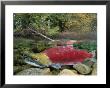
(56, 66)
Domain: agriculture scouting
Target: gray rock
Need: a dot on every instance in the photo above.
(35, 71)
(82, 68)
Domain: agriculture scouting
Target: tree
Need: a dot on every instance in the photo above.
(53, 23)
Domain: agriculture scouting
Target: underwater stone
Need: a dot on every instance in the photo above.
(94, 71)
(67, 72)
(82, 69)
(35, 71)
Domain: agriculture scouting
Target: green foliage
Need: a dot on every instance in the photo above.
(89, 46)
(53, 32)
(21, 21)
(21, 45)
(39, 46)
(56, 22)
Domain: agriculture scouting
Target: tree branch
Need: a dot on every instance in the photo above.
(42, 35)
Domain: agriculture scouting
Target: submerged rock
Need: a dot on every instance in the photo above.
(35, 71)
(94, 71)
(82, 69)
(46, 71)
(17, 69)
(67, 72)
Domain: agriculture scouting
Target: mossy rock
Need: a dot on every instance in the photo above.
(35, 71)
(67, 72)
(94, 71)
(82, 68)
(55, 71)
(17, 69)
